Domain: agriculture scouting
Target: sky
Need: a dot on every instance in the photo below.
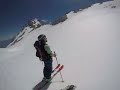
(14, 14)
(87, 44)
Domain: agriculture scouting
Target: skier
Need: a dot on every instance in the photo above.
(45, 54)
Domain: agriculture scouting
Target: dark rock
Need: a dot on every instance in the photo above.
(59, 19)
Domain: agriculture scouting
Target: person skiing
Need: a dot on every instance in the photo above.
(45, 54)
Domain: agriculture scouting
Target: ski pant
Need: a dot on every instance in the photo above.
(47, 68)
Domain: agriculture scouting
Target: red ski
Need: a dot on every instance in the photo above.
(56, 68)
(57, 72)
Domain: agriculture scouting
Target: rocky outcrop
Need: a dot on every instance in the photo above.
(77, 10)
(59, 20)
(35, 23)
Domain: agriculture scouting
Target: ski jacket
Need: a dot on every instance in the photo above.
(43, 51)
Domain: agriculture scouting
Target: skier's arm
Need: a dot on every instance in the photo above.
(48, 50)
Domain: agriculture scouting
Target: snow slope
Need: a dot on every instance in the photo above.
(87, 43)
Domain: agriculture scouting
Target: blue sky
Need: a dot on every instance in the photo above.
(15, 13)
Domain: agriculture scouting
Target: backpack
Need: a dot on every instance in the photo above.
(38, 51)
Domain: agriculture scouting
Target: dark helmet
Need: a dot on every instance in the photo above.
(41, 37)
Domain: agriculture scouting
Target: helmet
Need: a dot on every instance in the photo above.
(41, 37)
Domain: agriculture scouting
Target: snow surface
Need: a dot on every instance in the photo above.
(87, 43)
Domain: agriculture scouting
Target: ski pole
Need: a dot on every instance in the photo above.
(60, 71)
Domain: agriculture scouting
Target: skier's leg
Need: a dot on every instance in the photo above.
(47, 69)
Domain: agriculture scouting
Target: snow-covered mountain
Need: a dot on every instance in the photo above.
(87, 43)
(31, 25)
